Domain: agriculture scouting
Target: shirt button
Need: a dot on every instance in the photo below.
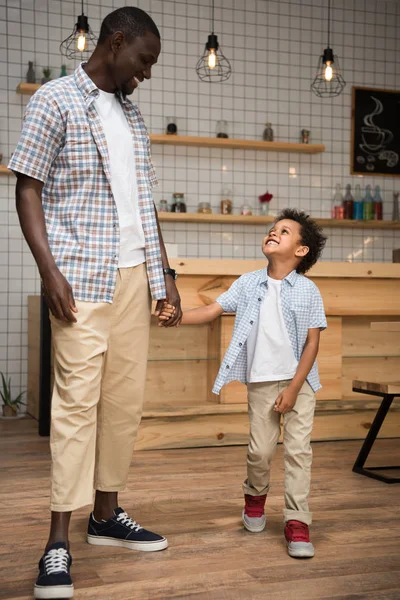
(259, 299)
(251, 322)
(240, 344)
(227, 366)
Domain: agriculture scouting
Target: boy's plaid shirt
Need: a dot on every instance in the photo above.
(302, 309)
(63, 145)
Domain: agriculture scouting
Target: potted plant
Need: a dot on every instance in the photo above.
(11, 405)
(46, 73)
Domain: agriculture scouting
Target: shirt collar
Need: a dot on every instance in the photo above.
(291, 278)
(90, 90)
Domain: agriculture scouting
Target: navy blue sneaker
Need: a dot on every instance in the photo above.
(54, 579)
(123, 531)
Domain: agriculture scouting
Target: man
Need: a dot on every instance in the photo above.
(86, 210)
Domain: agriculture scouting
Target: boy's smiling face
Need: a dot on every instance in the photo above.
(284, 241)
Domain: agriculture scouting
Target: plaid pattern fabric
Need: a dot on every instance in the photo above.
(63, 145)
(302, 310)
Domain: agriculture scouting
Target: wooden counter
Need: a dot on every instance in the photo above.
(180, 409)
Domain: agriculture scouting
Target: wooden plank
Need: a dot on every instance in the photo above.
(391, 326)
(27, 88)
(268, 219)
(330, 360)
(178, 343)
(361, 339)
(236, 267)
(178, 494)
(182, 382)
(379, 387)
(214, 142)
(347, 297)
(385, 369)
(5, 171)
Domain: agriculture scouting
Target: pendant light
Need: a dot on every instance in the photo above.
(213, 66)
(81, 41)
(328, 81)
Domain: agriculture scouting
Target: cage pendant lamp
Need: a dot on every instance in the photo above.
(328, 81)
(82, 41)
(213, 66)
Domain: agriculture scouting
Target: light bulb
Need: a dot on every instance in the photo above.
(81, 42)
(328, 72)
(212, 59)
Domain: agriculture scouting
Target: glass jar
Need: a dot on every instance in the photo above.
(178, 203)
(171, 127)
(268, 135)
(222, 129)
(226, 202)
(163, 206)
(204, 208)
(246, 210)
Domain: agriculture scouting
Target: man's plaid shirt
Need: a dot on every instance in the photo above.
(63, 145)
(302, 309)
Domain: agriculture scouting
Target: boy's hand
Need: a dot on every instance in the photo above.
(167, 311)
(285, 401)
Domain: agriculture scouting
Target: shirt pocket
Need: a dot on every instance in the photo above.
(300, 311)
(80, 148)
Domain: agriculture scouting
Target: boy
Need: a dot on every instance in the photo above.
(279, 316)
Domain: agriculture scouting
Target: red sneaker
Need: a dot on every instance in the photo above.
(298, 540)
(253, 516)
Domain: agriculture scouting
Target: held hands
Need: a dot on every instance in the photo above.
(285, 401)
(169, 311)
(166, 313)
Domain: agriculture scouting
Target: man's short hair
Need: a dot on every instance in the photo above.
(131, 21)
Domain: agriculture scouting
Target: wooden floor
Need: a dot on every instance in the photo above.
(194, 498)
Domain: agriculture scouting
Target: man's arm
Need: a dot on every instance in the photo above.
(56, 288)
(173, 296)
(195, 316)
(287, 399)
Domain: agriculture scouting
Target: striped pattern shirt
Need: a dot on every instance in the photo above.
(63, 145)
(302, 309)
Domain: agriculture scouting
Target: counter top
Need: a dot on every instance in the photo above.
(228, 267)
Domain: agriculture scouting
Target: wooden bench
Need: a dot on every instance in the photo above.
(387, 391)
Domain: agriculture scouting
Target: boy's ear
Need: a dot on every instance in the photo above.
(301, 251)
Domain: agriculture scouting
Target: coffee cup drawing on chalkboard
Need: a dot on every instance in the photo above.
(374, 139)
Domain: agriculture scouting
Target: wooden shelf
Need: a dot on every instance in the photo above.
(260, 220)
(27, 88)
(5, 171)
(209, 142)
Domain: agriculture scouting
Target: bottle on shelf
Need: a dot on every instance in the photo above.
(226, 202)
(348, 203)
(178, 203)
(396, 211)
(358, 206)
(378, 208)
(163, 206)
(268, 135)
(337, 204)
(368, 208)
(204, 208)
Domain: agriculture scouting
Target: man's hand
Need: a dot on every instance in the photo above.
(172, 299)
(59, 296)
(285, 401)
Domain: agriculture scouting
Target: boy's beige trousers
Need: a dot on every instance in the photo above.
(99, 378)
(264, 436)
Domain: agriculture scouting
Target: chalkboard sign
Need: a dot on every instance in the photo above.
(375, 140)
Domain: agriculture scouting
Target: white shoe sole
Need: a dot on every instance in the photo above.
(53, 592)
(253, 528)
(142, 546)
(301, 552)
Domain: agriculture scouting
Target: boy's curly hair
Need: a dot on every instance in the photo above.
(311, 236)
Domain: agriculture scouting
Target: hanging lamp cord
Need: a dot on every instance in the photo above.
(329, 21)
(212, 17)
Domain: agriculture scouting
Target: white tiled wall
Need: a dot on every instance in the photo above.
(273, 47)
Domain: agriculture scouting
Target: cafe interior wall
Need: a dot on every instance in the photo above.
(273, 47)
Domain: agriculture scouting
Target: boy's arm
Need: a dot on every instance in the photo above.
(196, 316)
(287, 399)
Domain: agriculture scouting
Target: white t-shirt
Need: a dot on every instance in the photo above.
(123, 179)
(270, 355)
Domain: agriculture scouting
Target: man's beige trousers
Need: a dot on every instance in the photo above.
(264, 436)
(99, 378)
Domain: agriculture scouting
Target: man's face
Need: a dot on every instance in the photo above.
(133, 60)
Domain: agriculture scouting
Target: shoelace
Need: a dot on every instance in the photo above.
(56, 561)
(126, 520)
